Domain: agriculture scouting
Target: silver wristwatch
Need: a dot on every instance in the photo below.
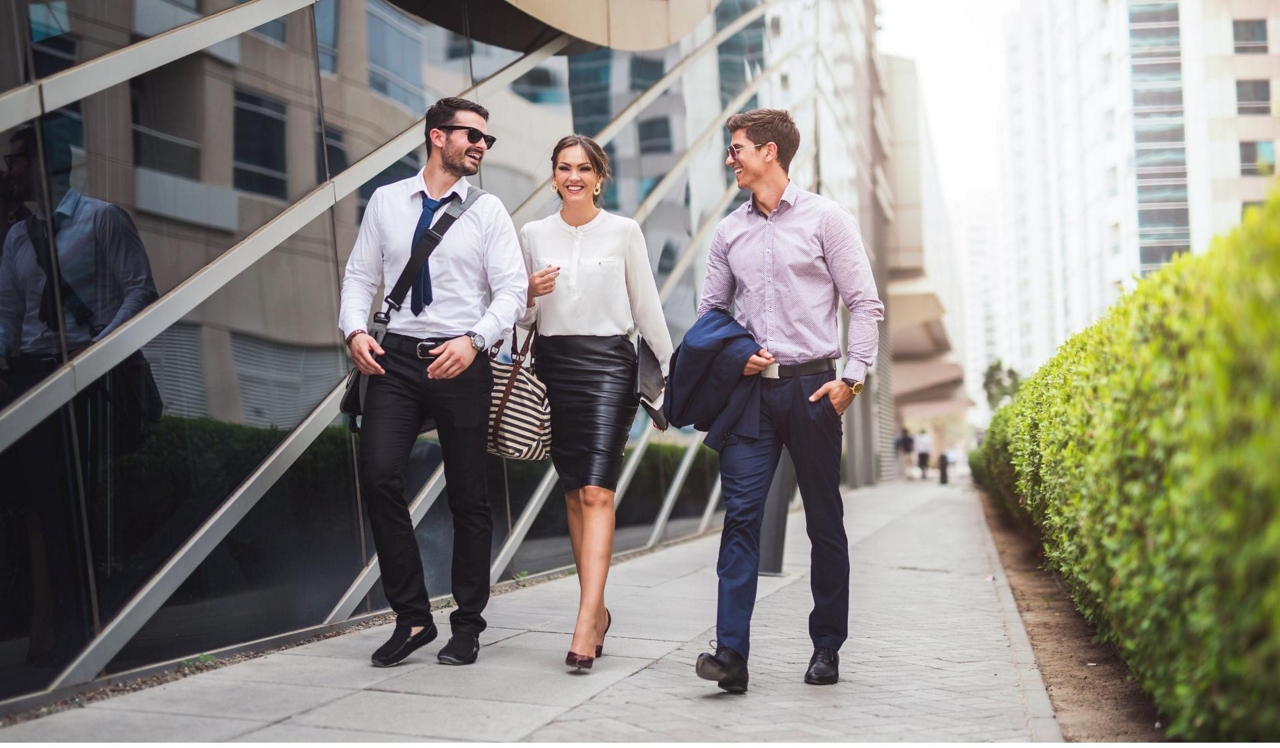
(477, 340)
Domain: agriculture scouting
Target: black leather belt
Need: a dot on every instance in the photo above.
(417, 347)
(782, 371)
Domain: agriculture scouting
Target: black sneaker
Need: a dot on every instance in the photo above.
(824, 667)
(401, 644)
(462, 649)
(726, 667)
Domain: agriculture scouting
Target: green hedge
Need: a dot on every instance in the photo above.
(1147, 454)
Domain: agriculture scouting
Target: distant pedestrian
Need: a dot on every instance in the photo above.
(924, 446)
(904, 446)
(943, 461)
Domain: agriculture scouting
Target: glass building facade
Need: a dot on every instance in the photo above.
(183, 182)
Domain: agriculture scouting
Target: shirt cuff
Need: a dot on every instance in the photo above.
(855, 370)
(488, 329)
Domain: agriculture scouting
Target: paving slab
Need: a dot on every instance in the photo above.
(936, 652)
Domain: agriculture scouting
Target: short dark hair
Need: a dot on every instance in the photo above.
(27, 134)
(444, 111)
(769, 126)
(595, 154)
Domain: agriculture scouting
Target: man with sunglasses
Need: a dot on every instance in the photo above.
(782, 262)
(431, 365)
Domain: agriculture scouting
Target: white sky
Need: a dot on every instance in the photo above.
(958, 49)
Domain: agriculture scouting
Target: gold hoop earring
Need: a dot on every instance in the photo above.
(596, 191)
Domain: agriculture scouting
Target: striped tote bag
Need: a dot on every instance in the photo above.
(519, 414)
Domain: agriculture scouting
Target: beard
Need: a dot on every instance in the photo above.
(456, 162)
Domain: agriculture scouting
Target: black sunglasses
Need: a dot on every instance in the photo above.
(473, 135)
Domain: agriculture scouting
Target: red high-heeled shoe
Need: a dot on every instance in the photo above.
(582, 662)
(608, 623)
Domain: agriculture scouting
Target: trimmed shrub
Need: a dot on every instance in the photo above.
(1147, 454)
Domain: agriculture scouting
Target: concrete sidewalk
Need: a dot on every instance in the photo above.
(936, 652)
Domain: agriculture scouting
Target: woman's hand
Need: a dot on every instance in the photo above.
(543, 282)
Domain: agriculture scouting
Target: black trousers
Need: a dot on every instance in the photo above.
(396, 404)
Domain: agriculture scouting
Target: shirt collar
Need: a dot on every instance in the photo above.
(66, 207)
(70, 202)
(418, 185)
(789, 196)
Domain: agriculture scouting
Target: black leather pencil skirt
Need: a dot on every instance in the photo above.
(591, 386)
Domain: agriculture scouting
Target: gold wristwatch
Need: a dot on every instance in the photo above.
(853, 385)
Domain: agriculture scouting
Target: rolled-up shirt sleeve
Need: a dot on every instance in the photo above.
(718, 287)
(364, 272)
(850, 269)
(508, 275)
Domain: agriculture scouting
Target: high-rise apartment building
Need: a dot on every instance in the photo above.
(176, 479)
(1134, 130)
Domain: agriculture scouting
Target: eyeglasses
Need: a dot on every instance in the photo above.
(473, 135)
(12, 158)
(735, 150)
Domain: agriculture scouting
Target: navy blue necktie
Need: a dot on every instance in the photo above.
(421, 295)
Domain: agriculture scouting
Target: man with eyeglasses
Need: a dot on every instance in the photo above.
(431, 365)
(782, 262)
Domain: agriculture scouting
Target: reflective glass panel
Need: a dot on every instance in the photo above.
(282, 568)
(82, 31)
(181, 423)
(47, 614)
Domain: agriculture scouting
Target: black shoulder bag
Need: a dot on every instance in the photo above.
(352, 404)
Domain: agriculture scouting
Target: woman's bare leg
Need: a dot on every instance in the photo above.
(594, 551)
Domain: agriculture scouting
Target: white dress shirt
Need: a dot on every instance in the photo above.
(100, 256)
(478, 282)
(605, 287)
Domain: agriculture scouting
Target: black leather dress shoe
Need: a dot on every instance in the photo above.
(462, 649)
(824, 667)
(402, 644)
(726, 667)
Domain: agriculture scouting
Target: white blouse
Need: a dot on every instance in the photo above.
(605, 286)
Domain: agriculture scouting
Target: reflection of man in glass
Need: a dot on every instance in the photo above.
(103, 274)
(79, 273)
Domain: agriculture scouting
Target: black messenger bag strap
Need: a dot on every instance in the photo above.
(431, 238)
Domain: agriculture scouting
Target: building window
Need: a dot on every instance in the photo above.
(1162, 193)
(1250, 37)
(1153, 13)
(589, 96)
(260, 145)
(541, 86)
(278, 382)
(655, 135)
(327, 34)
(645, 72)
(271, 29)
(1257, 159)
(329, 142)
(1160, 158)
(1157, 72)
(1253, 97)
(395, 55)
(1160, 255)
(1157, 98)
(1159, 131)
(458, 47)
